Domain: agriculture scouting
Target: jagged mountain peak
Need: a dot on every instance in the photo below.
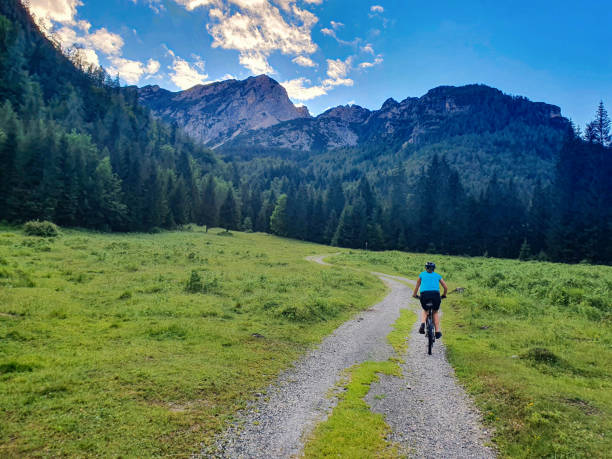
(218, 111)
(389, 103)
(441, 113)
(348, 113)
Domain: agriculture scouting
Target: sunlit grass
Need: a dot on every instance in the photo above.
(108, 346)
(531, 341)
(352, 429)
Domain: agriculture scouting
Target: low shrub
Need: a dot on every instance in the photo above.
(195, 283)
(167, 332)
(14, 367)
(41, 229)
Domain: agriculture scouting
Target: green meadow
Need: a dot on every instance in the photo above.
(143, 345)
(531, 341)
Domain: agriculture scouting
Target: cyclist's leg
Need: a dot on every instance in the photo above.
(423, 310)
(436, 314)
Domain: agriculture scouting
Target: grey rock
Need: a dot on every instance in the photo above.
(219, 111)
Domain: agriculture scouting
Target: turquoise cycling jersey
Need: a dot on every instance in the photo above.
(430, 281)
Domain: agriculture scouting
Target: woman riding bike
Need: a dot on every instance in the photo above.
(428, 283)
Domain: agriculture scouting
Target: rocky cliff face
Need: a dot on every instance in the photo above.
(257, 113)
(217, 112)
(443, 112)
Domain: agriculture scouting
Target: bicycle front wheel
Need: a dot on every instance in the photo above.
(430, 337)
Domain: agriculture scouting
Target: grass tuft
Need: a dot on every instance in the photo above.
(352, 430)
(14, 367)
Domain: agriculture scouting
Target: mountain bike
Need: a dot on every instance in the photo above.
(430, 328)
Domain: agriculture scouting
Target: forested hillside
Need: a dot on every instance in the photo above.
(78, 149)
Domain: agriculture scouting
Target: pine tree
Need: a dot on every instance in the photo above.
(208, 203)
(108, 198)
(602, 126)
(525, 252)
(228, 213)
(11, 127)
(279, 220)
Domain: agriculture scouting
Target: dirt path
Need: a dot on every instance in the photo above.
(275, 426)
(428, 411)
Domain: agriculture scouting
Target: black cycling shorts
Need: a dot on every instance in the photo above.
(431, 296)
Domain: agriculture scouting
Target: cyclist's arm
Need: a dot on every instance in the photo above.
(416, 287)
(445, 287)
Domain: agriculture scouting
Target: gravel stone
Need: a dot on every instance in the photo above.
(428, 411)
(276, 425)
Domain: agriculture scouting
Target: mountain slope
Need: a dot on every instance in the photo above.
(443, 112)
(216, 112)
(77, 149)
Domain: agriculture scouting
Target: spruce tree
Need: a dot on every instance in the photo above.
(279, 220)
(208, 203)
(602, 126)
(228, 213)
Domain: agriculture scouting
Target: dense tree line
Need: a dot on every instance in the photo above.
(566, 219)
(78, 149)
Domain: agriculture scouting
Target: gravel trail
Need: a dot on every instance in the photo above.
(275, 426)
(429, 413)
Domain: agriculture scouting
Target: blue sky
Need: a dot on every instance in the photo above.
(331, 52)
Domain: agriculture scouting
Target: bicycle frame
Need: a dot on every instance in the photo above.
(430, 329)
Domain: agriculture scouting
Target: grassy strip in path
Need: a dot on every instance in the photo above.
(531, 341)
(353, 430)
(141, 345)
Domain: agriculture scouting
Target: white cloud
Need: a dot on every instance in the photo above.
(84, 26)
(365, 65)
(332, 33)
(296, 89)
(86, 57)
(377, 9)
(46, 11)
(101, 40)
(258, 28)
(105, 41)
(255, 61)
(304, 61)
(337, 68)
(193, 4)
(367, 49)
(152, 66)
(184, 75)
(131, 71)
(156, 5)
(331, 82)
(227, 76)
(197, 61)
(57, 18)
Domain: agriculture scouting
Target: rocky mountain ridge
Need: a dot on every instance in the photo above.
(442, 112)
(217, 112)
(257, 113)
